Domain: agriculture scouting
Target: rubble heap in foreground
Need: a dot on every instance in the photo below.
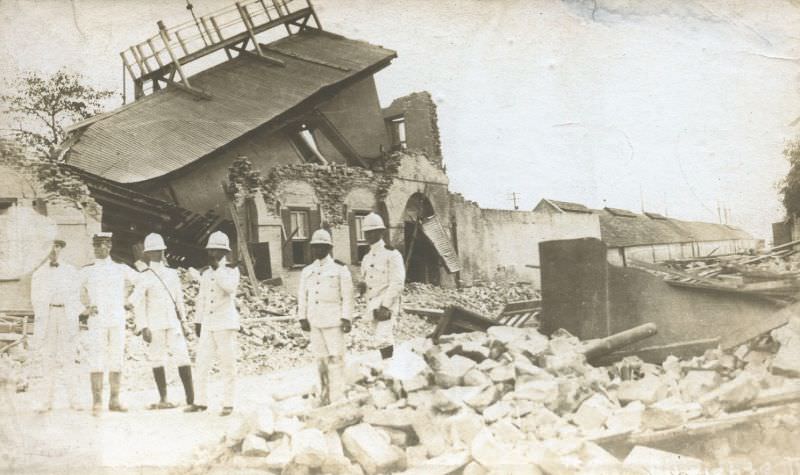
(514, 401)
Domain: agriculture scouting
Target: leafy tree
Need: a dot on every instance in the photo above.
(790, 186)
(44, 105)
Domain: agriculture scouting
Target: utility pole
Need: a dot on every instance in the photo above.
(514, 198)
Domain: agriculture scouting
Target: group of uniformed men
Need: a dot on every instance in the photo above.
(99, 295)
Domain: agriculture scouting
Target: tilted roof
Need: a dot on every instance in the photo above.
(172, 128)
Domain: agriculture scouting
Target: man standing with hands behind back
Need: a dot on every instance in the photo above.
(383, 275)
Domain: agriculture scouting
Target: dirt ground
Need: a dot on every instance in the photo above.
(139, 441)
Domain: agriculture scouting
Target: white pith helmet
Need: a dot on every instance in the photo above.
(372, 222)
(321, 236)
(154, 242)
(218, 240)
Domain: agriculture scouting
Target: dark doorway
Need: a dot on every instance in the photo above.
(422, 260)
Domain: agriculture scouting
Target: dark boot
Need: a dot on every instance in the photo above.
(324, 383)
(161, 382)
(97, 393)
(114, 380)
(185, 373)
(387, 352)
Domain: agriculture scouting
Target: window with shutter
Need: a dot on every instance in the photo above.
(359, 244)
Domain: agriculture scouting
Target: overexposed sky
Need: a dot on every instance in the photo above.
(680, 104)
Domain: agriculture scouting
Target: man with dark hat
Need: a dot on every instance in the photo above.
(56, 305)
(104, 291)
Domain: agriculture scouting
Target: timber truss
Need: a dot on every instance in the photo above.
(159, 60)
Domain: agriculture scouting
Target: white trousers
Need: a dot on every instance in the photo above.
(168, 340)
(382, 332)
(223, 345)
(58, 351)
(106, 348)
(326, 341)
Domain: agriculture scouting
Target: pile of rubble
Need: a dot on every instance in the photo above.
(774, 275)
(486, 299)
(514, 401)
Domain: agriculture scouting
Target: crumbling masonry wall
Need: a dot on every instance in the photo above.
(421, 122)
(502, 245)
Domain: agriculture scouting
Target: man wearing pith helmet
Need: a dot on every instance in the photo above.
(104, 291)
(383, 276)
(324, 308)
(160, 312)
(217, 323)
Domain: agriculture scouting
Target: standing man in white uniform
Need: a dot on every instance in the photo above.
(217, 323)
(383, 275)
(325, 308)
(104, 291)
(56, 306)
(160, 310)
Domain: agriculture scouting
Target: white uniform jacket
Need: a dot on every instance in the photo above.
(325, 293)
(384, 272)
(104, 284)
(216, 299)
(58, 286)
(156, 296)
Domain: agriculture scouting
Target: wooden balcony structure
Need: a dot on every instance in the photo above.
(160, 58)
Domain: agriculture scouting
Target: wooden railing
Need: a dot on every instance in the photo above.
(161, 57)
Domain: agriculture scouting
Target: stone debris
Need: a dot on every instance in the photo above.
(373, 452)
(512, 401)
(654, 462)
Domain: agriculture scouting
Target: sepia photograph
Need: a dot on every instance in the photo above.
(367, 237)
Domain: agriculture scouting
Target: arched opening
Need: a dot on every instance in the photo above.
(421, 258)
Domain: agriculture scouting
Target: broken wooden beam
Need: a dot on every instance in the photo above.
(619, 340)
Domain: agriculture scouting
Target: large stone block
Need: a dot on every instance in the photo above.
(372, 451)
(476, 377)
(430, 434)
(787, 360)
(254, 446)
(697, 383)
(647, 390)
(263, 422)
(734, 394)
(502, 373)
(593, 413)
(310, 448)
(394, 418)
(442, 465)
(451, 372)
(483, 399)
(658, 462)
(497, 411)
(626, 418)
(544, 391)
(462, 428)
(280, 456)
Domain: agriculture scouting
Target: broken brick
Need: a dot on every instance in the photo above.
(593, 413)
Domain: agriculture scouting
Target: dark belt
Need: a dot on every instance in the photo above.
(57, 305)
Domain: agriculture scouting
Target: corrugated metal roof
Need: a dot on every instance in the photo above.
(632, 229)
(171, 128)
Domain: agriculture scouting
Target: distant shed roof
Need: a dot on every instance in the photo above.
(171, 128)
(563, 206)
(623, 228)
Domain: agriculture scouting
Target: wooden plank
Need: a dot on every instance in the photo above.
(425, 312)
(433, 229)
(657, 354)
(244, 249)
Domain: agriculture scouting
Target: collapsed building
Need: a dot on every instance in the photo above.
(285, 136)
